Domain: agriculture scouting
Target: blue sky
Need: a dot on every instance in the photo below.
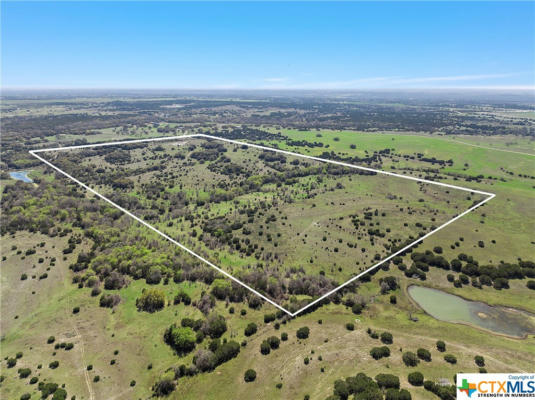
(268, 45)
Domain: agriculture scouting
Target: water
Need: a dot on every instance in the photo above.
(21, 176)
(448, 307)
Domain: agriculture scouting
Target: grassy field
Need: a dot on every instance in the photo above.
(138, 336)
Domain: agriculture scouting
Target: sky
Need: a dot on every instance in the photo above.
(276, 45)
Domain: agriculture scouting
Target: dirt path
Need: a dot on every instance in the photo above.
(86, 373)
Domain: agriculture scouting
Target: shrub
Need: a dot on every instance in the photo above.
(531, 285)
(386, 381)
(11, 362)
(76, 310)
(441, 346)
(380, 352)
(26, 396)
(423, 354)
(393, 299)
(181, 339)
(341, 389)
(18, 355)
(306, 360)
(410, 359)
(183, 297)
(274, 342)
(53, 364)
(227, 351)
(394, 394)
(33, 380)
(151, 300)
(450, 358)
(250, 329)
(132, 383)
(480, 361)
(284, 336)
(357, 308)
(109, 300)
(24, 372)
(164, 387)
(96, 378)
(250, 375)
(416, 378)
(50, 339)
(302, 333)
(214, 326)
(350, 326)
(387, 338)
(265, 348)
(60, 394)
(204, 360)
(269, 318)
(221, 288)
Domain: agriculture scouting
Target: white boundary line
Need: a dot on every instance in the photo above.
(490, 197)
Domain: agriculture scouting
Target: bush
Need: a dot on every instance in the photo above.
(109, 300)
(284, 336)
(393, 299)
(214, 326)
(441, 346)
(423, 354)
(76, 310)
(416, 378)
(386, 381)
(227, 351)
(53, 364)
(204, 360)
(250, 329)
(60, 394)
(24, 372)
(221, 288)
(450, 358)
(302, 333)
(387, 338)
(50, 339)
(274, 342)
(357, 308)
(394, 394)
(531, 285)
(11, 362)
(410, 359)
(96, 378)
(26, 396)
(380, 352)
(151, 300)
(341, 389)
(250, 375)
(480, 361)
(350, 326)
(181, 339)
(265, 348)
(164, 387)
(34, 380)
(269, 318)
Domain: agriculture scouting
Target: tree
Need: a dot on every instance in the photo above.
(302, 333)
(265, 348)
(423, 354)
(214, 326)
(164, 387)
(284, 336)
(250, 375)
(380, 352)
(480, 361)
(416, 378)
(450, 358)
(151, 300)
(182, 339)
(274, 342)
(221, 288)
(410, 359)
(441, 346)
(341, 389)
(531, 285)
(386, 381)
(387, 338)
(24, 372)
(204, 360)
(250, 329)
(395, 394)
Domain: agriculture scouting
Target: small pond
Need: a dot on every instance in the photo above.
(21, 176)
(448, 307)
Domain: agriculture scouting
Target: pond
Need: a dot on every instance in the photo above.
(21, 176)
(448, 307)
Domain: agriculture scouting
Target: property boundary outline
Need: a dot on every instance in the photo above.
(170, 239)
